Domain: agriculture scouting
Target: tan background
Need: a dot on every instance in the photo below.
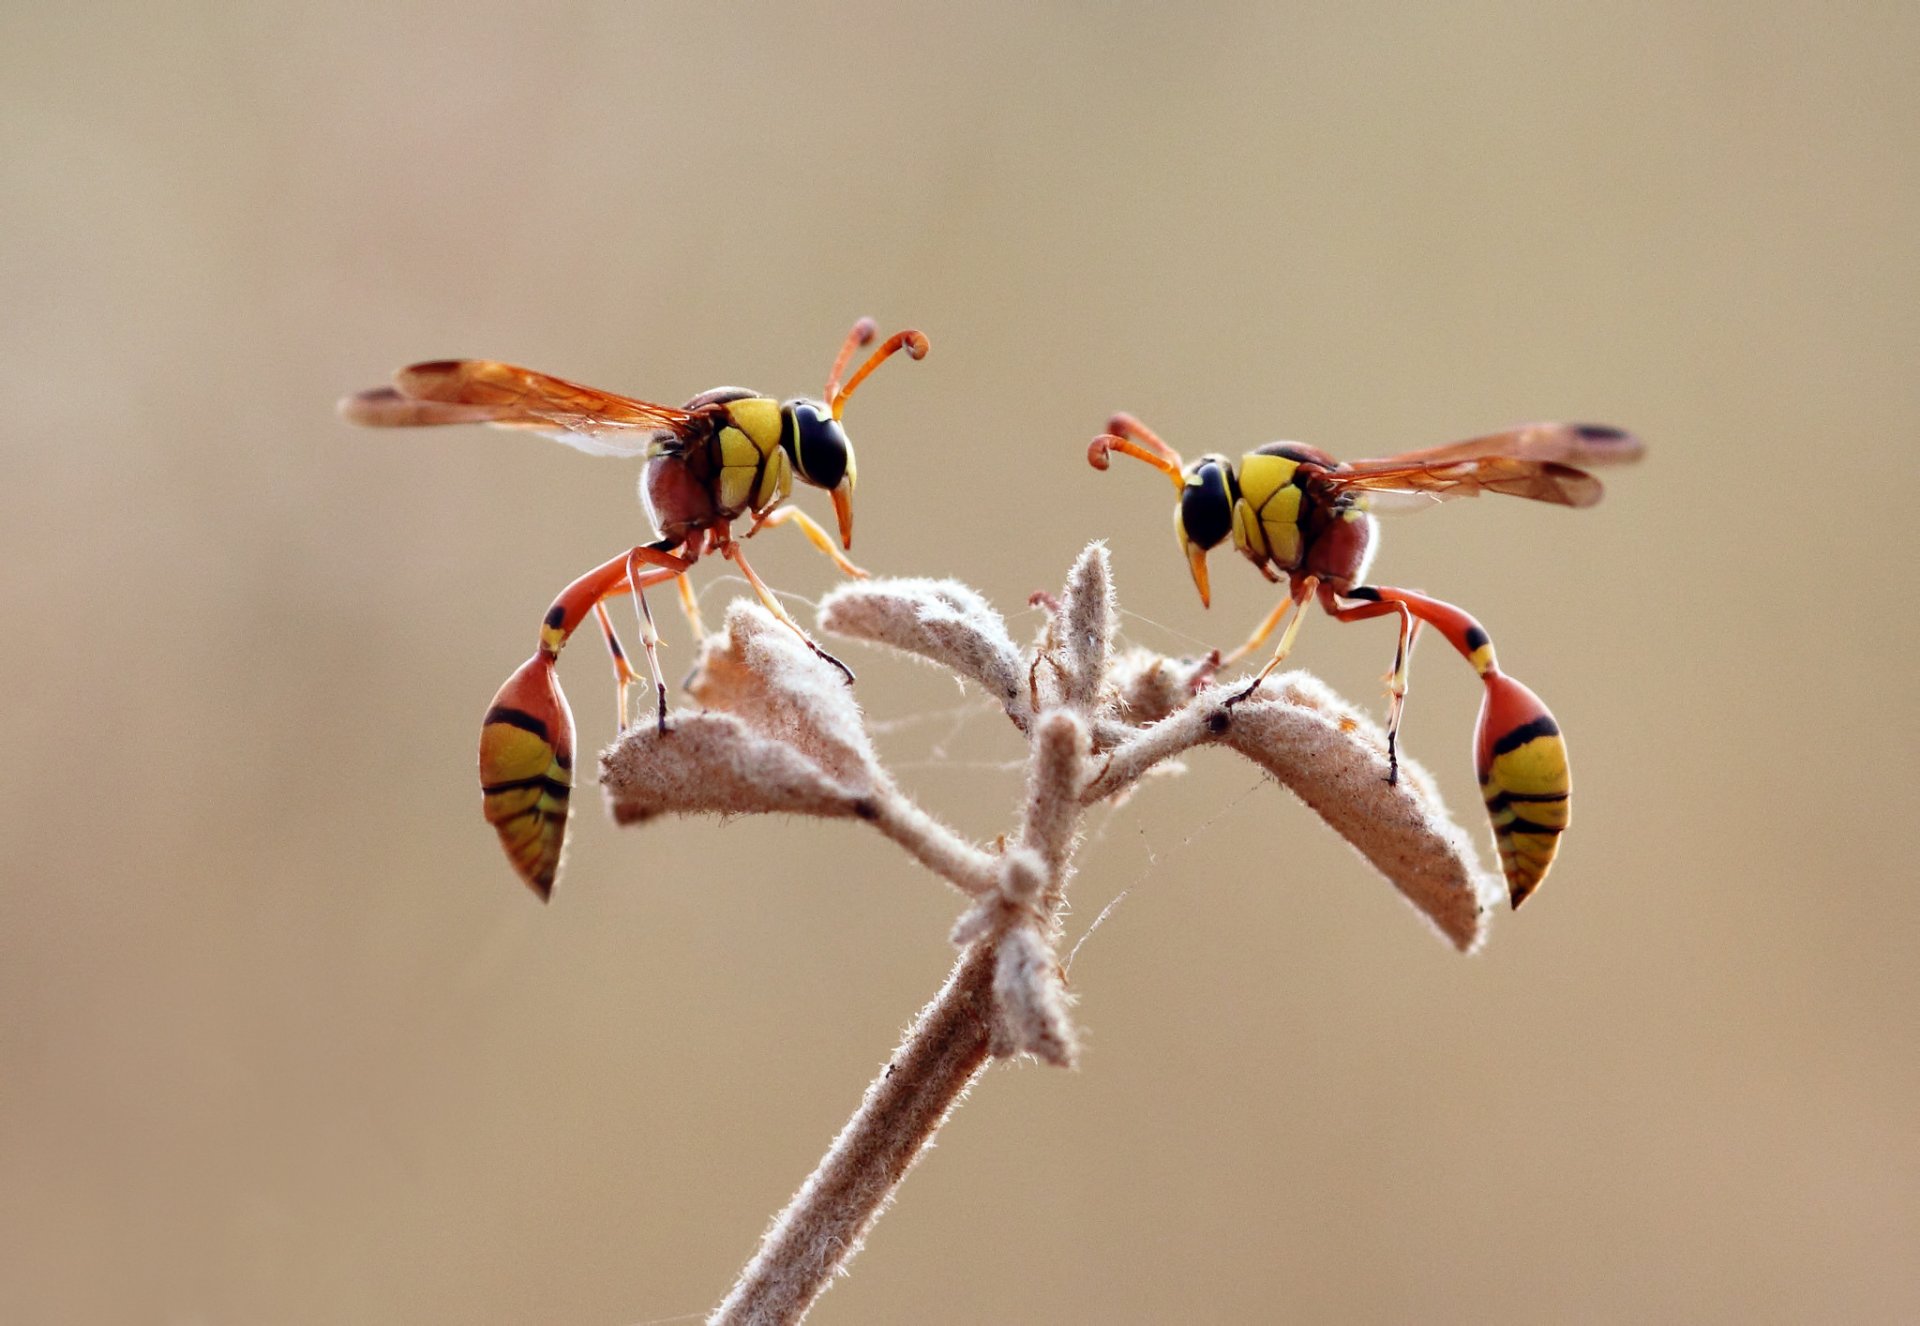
(282, 1041)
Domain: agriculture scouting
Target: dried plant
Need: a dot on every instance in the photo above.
(782, 733)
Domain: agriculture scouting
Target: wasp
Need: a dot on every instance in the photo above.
(727, 454)
(1300, 515)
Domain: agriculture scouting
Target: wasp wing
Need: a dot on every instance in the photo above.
(1425, 483)
(464, 391)
(1577, 445)
(1535, 461)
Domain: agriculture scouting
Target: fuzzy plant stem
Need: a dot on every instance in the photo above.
(827, 1220)
(779, 733)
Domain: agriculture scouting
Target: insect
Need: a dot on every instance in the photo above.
(1296, 512)
(728, 453)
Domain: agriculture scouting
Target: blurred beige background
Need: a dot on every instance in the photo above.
(281, 1038)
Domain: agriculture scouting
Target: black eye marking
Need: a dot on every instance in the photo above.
(819, 446)
(1206, 507)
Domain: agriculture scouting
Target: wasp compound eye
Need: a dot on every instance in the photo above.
(1206, 504)
(821, 453)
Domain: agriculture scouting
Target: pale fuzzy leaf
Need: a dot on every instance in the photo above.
(1030, 1000)
(942, 621)
(1083, 628)
(1333, 757)
(715, 763)
(758, 669)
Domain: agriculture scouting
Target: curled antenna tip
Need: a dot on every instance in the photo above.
(1100, 451)
(915, 344)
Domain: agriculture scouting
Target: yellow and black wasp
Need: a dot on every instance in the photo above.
(726, 454)
(1298, 514)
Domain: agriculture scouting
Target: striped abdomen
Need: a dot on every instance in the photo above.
(526, 770)
(1522, 762)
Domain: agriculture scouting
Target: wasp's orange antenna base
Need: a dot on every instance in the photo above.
(912, 342)
(1128, 434)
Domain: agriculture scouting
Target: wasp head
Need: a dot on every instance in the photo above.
(822, 456)
(1204, 516)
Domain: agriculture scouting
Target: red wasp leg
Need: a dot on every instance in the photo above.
(1519, 753)
(733, 553)
(623, 674)
(649, 633)
(1402, 660)
(912, 342)
(690, 605)
(862, 334)
(810, 527)
(1302, 594)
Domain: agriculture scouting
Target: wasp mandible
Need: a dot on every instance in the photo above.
(1297, 513)
(725, 454)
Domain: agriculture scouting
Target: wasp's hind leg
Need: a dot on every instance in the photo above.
(1402, 660)
(654, 555)
(1519, 754)
(623, 673)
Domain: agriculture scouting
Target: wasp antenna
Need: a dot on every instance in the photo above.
(1099, 455)
(912, 342)
(862, 334)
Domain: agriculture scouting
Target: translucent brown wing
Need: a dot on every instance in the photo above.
(1578, 445)
(1535, 461)
(1540, 480)
(465, 391)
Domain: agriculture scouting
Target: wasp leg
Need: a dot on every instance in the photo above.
(1519, 753)
(1301, 596)
(690, 605)
(732, 552)
(1402, 660)
(623, 673)
(810, 527)
(652, 554)
(1261, 632)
